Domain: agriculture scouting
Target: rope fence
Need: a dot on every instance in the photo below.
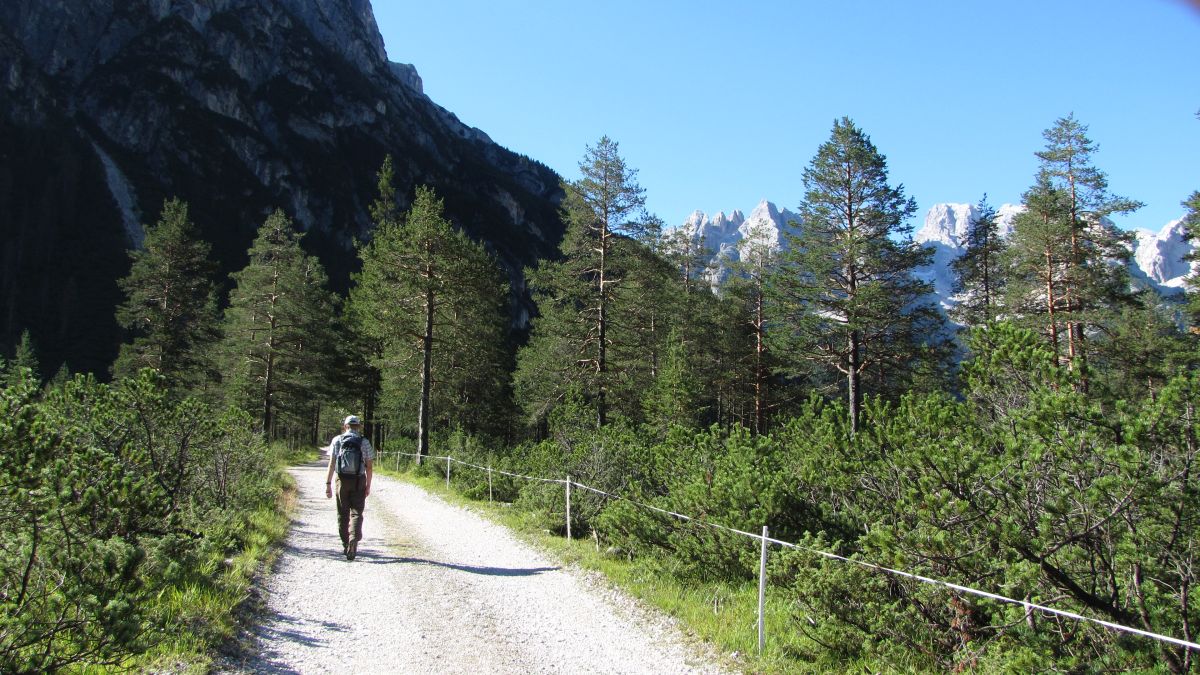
(766, 540)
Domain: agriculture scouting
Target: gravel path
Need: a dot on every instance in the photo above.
(438, 589)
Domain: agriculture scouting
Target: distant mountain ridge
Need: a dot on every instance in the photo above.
(238, 107)
(1157, 257)
(721, 234)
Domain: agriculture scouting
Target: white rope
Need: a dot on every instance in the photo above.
(517, 475)
(481, 468)
(833, 556)
(918, 577)
(514, 475)
(974, 591)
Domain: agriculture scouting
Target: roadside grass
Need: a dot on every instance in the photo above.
(286, 456)
(725, 615)
(208, 611)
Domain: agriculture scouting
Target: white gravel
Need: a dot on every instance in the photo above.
(438, 589)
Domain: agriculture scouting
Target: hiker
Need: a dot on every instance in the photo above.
(351, 456)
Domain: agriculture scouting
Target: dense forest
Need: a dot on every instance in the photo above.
(1038, 442)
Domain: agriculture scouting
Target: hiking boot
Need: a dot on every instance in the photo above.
(351, 549)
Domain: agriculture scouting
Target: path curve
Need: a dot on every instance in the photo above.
(437, 588)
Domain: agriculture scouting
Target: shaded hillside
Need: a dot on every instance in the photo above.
(238, 107)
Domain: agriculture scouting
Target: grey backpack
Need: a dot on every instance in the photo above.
(350, 455)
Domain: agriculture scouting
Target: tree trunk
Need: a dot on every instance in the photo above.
(369, 424)
(654, 346)
(1050, 301)
(854, 395)
(987, 287)
(314, 436)
(268, 385)
(760, 379)
(269, 375)
(1074, 299)
(1073, 303)
(853, 376)
(426, 375)
(602, 329)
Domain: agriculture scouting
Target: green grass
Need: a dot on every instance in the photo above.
(725, 615)
(207, 612)
(286, 456)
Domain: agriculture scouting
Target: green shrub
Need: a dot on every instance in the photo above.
(114, 499)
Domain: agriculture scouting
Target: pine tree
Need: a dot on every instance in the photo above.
(1036, 262)
(366, 351)
(687, 256)
(26, 356)
(61, 377)
(280, 346)
(646, 307)
(1191, 224)
(170, 307)
(1142, 349)
(748, 284)
(577, 297)
(1091, 282)
(435, 301)
(673, 399)
(711, 332)
(979, 276)
(843, 295)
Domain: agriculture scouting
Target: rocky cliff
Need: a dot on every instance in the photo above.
(720, 235)
(238, 107)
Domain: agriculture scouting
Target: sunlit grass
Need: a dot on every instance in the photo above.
(204, 612)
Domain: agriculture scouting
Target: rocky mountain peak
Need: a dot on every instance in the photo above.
(345, 26)
(721, 234)
(949, 223)
(1158, 256)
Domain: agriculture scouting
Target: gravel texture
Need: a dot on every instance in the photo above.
(438, 589)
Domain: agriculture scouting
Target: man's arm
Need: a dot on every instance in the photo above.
(329, 473)
(370, 472)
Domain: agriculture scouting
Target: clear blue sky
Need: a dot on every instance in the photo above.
(720, 104)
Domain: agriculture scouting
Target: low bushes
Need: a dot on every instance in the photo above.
(1026, 485)
(125, 517)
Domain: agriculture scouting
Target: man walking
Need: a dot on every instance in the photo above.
(351, 456)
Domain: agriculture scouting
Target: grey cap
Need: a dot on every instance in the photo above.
(353, 421)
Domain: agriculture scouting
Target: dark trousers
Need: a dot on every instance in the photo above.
(351, 500)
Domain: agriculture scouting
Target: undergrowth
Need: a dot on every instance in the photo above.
(208, 611)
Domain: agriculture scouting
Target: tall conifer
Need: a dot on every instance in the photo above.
(1083, 280)
(844, 295)
(572, 345)
(979, 275)
(748, 285)
(170, 307)
(712, 333)
(434, 300)
(1092, 281)
(280, 347)
(1191, 224)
